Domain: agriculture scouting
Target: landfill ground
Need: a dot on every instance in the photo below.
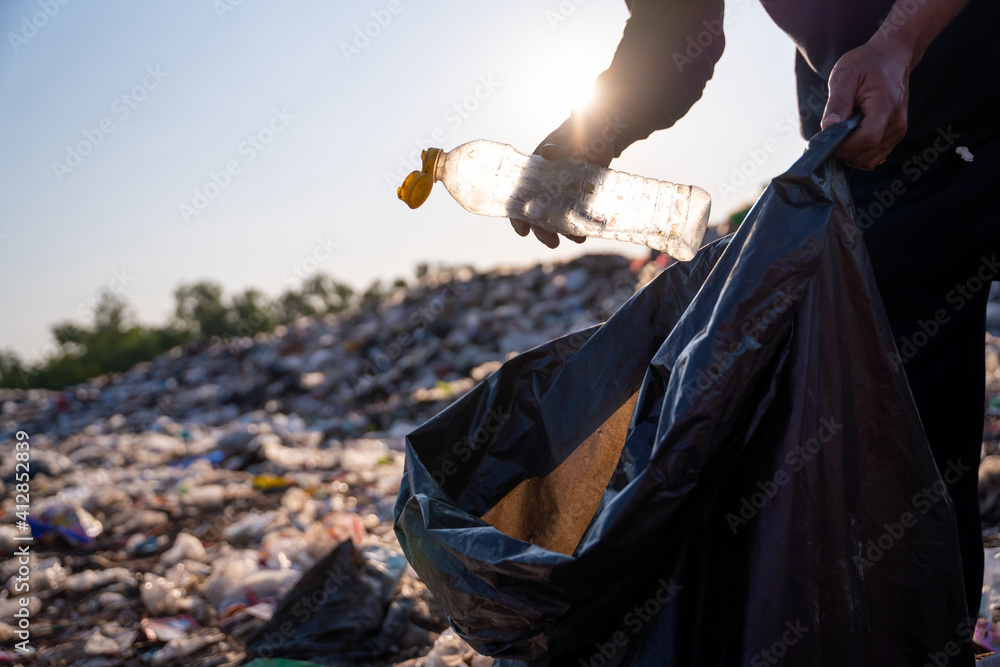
(233, 499)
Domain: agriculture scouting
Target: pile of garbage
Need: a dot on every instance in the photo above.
(231, 501)
(989, 467)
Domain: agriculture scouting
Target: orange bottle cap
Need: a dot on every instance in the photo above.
(417, 185)
(415, 189)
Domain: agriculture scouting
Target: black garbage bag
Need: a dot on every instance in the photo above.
(729, 471)
(339, 613)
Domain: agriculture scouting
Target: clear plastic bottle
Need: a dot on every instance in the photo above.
(566, 196)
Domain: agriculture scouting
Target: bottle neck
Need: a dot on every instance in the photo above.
(432, 160)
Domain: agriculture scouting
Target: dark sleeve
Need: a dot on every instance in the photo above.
(667, 53)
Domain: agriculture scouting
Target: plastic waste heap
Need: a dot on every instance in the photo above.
(568, 196)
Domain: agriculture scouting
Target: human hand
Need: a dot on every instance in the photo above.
(875, 79)
(579, 137)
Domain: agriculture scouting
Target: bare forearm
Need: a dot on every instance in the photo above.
(915, 23)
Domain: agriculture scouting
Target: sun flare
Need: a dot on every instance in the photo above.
(564, 81)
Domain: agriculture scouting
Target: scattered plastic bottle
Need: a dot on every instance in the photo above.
(567, 196)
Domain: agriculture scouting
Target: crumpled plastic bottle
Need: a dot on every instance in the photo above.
(568, 196)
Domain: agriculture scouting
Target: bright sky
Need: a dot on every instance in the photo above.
(280, 131)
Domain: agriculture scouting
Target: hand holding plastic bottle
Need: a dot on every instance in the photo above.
(582, 137)
(566, 188)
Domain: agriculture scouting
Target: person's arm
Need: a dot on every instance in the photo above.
(875, 78)
(666, 55)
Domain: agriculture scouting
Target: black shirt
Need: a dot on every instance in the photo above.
(669, 50)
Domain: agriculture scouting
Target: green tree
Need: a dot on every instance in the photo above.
(736, 218)
(68, 334)
(373, 296)
(326, 295)
(249, 313)
(199, 308)
(111, 313)
(294, 305)
(114, 342)
(13, 373)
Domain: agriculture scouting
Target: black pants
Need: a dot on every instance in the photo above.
(930, 222)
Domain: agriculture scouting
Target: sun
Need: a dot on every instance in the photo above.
(564, 81)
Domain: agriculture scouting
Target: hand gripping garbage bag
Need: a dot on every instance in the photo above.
(729, 471)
